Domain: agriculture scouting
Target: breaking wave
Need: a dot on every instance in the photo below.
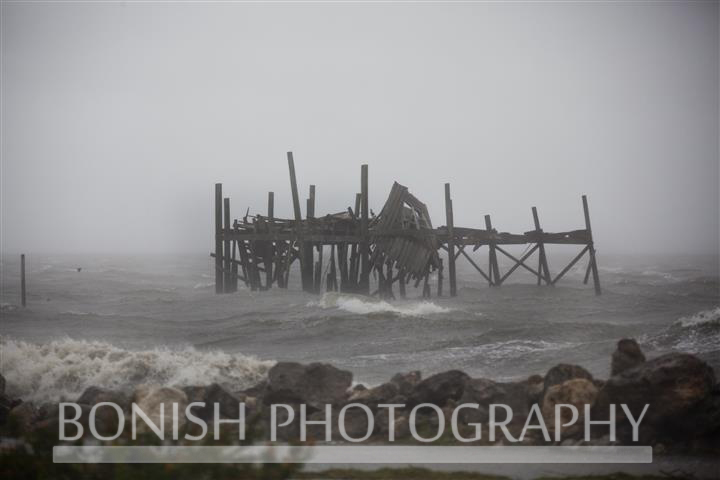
(699, 333)
(363, 306)
(706, 317)
(63, 369)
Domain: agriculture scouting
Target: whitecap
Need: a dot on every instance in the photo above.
(705, 317)
(364, 306)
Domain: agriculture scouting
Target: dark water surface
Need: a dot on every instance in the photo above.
(156, 319)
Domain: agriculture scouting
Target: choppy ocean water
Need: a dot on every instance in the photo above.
(124, 320)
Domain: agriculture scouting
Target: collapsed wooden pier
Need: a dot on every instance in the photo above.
(397, 246)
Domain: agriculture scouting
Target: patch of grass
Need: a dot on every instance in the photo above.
(409, 473)
(416, 473)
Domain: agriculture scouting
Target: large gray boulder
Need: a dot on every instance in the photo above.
(485, 392)
(674, 386)
(563, 372)
(406, 382)
(628, 355)
(229, 403)
(94, 395)
(315, 384)
(439, 388)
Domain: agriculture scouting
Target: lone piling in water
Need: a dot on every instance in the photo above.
(22, 280)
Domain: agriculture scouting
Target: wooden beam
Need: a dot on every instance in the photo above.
(219, 288)
(451, 241)
(570, 265)
(480, 270)
(520, 262)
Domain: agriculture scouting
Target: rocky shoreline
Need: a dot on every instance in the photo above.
(682, 390)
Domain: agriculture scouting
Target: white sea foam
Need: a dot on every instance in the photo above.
(514, 348)
(701, 318)
(363, 306)
(656, 273)
(62, 369)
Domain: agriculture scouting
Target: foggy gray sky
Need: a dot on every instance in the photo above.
(118, 119)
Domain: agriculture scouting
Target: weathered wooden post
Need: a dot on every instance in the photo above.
(426, 286)
(234, 269)
(364, 234)
(298, 221)
(401, 283)
(591, 247)
(219, 287)
(389, 284)
(270, 251)
(227, 268)
(23, 300)
(308, 247)
(543, 270)
(343, 266)
(440, 279)
(493, 269)
(317, 285)
(451, 241)
(331, 284)
(354, 260)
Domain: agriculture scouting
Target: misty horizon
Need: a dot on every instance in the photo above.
(118, 119)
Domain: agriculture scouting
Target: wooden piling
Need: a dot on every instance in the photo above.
(317, 282)
(493, 268)
(343, 266)
(451, 241)
(293, 188)
(311, 203)
(543, 270)
(298, 223)
(440, 279)
(389, 276)
(219, 287)
(227, 263)
(426, 286)
(23, 299)
(364, 234)
(331, 284)
(591, 247)
(270, 251)
(234, 268)
(308, 262)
